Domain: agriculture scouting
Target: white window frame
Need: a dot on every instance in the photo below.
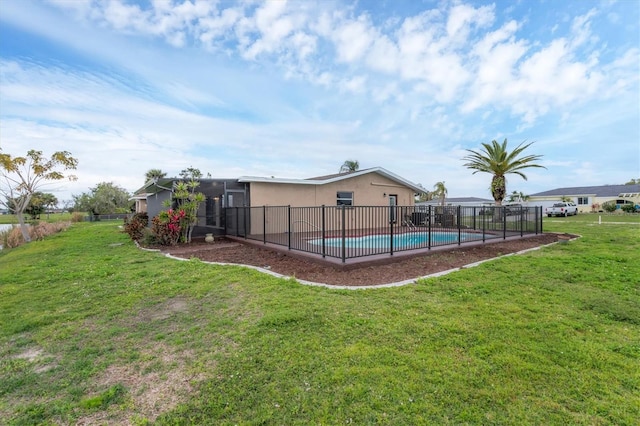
(341, 200)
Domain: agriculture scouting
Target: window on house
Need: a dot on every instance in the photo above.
(583, 200)
(344, 198)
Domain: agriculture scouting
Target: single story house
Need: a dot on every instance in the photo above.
(369, 187)
(588, 198)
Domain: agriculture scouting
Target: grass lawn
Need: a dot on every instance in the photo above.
(52, 217)
(93, 330)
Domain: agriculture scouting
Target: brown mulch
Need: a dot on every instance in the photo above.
(402, 268)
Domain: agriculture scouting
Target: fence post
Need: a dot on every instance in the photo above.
(459, 227)
(474, 218)
(289, 226)
(391, 231)
(244, 220)
(323, 233)
(226, 227)
(344, 235)
(264, 224)
(539, 218)
(504, 223)
(484, 224)
(521, 221)
(237, 222)
(429, 222)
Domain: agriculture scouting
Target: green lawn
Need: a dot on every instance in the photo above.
(94, 330)
(52, 217)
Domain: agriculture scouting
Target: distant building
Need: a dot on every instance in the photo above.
(589, 198)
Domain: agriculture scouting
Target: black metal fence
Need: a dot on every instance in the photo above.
(355, 231)
(115, 216)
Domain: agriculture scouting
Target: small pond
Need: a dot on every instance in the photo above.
(5, 227)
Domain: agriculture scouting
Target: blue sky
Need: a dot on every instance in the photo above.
(293, 89)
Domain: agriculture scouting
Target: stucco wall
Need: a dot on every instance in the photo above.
(368, 190)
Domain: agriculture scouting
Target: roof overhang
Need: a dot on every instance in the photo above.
(140, 196)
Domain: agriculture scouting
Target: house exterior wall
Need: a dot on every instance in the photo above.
(368, 190)
(155, 203)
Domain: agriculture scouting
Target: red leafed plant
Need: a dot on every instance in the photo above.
(167, 226)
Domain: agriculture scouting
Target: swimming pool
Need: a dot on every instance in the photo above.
(406, 240)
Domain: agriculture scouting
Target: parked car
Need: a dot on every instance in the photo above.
(562, 209)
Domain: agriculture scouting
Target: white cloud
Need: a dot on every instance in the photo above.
(296, 87)
(462, 17)
(438, 51)
(215, 27)
(355, 84)
(272, 26)
(498, 53)
(383, 55)
(352, 39)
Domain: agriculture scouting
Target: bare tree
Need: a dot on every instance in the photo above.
(23, 176)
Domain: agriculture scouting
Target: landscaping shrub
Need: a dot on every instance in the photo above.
(166, 228)
(628, 208)
(136, 225)
(148, 238)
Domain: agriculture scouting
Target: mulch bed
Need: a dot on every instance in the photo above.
(404, 268)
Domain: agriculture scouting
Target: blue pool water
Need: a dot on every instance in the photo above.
(400, 240)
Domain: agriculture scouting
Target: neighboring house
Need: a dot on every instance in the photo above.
(369, 187)
(589, 198)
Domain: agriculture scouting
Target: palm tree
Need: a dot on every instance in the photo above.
(440, 191)
(495, 159)
(424, 195)
(517, 197)
(154, 174)
(349, 166)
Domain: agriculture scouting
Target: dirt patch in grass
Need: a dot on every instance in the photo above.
(292, 264)
(40, 361)
(30, 354)
(153, 387)
(163, 310)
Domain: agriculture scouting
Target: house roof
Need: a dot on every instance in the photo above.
(323, 180)
(153, 186)
(595, 191)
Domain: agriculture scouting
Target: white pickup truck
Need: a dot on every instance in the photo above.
(562, 209)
